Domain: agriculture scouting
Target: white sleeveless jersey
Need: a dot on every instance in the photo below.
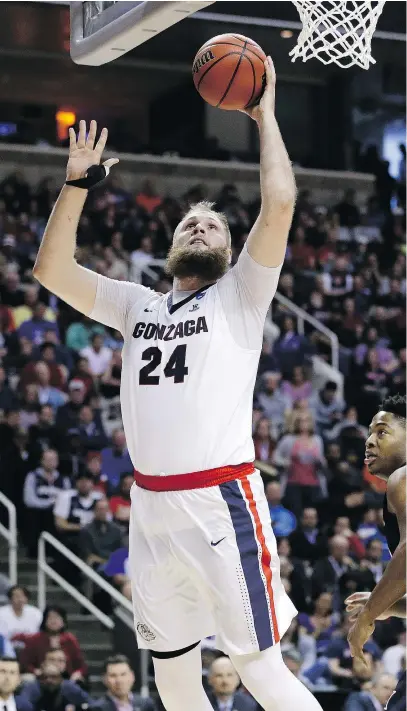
(189, 367)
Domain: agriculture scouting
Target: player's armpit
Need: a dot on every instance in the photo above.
(397, 499)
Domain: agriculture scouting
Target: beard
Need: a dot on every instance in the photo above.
(209, 265)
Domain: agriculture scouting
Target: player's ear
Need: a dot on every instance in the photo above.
(230, 256)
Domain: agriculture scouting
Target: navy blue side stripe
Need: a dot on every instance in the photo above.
(249, 556)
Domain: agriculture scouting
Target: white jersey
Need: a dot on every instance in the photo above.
(189, 367)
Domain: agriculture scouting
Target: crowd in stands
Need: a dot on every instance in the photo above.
(63, 455)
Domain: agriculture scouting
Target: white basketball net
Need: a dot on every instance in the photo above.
(339, 32)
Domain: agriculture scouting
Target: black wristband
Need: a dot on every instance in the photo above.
(96, 174)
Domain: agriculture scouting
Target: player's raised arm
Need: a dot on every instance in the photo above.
(55, 266)
(267, 241)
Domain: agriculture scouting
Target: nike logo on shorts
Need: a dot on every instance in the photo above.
(216, 543)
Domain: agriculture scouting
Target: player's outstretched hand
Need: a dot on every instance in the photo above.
(83, 152)
(267, 102)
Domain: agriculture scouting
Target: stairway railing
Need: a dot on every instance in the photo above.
(10, 535)
(45, 569)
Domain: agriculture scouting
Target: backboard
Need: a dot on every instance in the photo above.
(103, 31)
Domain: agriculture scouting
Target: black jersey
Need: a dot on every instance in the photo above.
(391, 527)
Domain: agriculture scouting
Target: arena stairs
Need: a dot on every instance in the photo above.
(94, 639)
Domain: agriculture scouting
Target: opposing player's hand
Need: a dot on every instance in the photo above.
(83, 152)
(358, 635)
(355, 604)
(267, 101)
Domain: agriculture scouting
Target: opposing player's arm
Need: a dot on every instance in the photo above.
(392, 586)
(267, 240)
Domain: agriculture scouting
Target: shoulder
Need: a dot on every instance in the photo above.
(69, 638)
(104, 702)
(33, 611)
(69, 687)
(242, 702)
(396, 490)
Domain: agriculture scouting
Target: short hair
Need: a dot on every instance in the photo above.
(6, 658)
(18, 587)
(207, 206)
(396, 406)
(116, 659)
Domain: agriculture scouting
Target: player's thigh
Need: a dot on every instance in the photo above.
(169, 612)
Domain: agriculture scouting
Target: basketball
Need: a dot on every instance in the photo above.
(228, 72)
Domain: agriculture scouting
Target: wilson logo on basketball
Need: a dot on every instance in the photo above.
(203, 59)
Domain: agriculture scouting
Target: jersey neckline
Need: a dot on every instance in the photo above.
(172, 308)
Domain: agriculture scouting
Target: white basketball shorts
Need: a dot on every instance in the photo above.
(204, 562)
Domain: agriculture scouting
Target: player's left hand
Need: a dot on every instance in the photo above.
(268, 100)
(358, 635)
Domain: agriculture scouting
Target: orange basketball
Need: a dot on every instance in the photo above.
(228, 72)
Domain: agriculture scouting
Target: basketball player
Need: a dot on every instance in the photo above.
(386, 458)
(203, 556)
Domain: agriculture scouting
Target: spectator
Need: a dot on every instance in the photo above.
(41, 489)
(329, 570)
(26, 311)
(291, 348)
(140, 258)
(307, 542)
(101, 537)
(8, 399)
(147, 198)
(283, 520)
(322, 622)
(10, 680)
(301, 457)
(347, 211)
(394, 657)
(342, 528)
(373, 559)
(53, 693)
(116, 460)
(374, 699)
(272, 401)
(47, 394)
(327, 407)
(264, 445)
(91, 432)
(117, 567)
(74, 509)
(43, 435)
(35, 328)
(111, 378)
(18, 617)
(119, 681)
(298, 387)
(68, 414)
(120, 504)
(79, 333)
(53, 634)
(97, 354)
(57, 657)
(224, 682)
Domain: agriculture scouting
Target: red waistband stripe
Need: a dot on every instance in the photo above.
(195, 480)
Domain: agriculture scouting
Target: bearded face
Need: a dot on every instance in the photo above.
(200, 248)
